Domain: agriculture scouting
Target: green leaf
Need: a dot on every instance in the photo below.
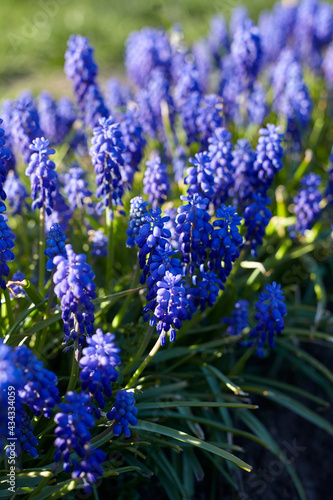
(183, 436)
(194, 404)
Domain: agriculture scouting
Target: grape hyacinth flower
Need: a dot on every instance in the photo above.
(163, 259)
(138, 210)
(193, 230)
(66, 117)
(152, 234)
(124, 413)
(47, 111)
(246, 52)
(202, 61)
(200, 177)
(5, 155)
(269, 153)
(134, 143)
(55, 245)
(72, 434)
(146, 50)
(256, 105)
(205, 289)
(61, 212)
(156, 183)
(16, 193)
(6, 247)
(24, 125)
(189, 114)
(256, 218)
(186, 85)
(98, 366)
(117, 94)
(99, 243)
(170, 307)
(307, 204)
(271, 310)
(243, 176)
(6, 111)
(238, 319)
(179, 162)
(76, 188)
(107, 157)
(81, 69)
(74, 285)
(225, 241)
(43, 177)
(219, 150)
(209, 117)
(329, 186)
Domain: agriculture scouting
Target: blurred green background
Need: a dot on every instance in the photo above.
(34, 33)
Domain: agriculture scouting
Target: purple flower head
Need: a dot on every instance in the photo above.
(16, 193)
(269, 153)
(209, 117)
(107, 157)
(246, 51)
(202, 60)
(225, 241)
(55, 245)
(243, 175)
(124, 413)
(170, 307)
(47, 111)
(156, 182)
(5, 155)
(134, 144)
(98, 366)
(179, 162)
(193, 229)
(117, 94)
(220, 153)
(66, 116)
(307, 204)
(187, 83)
(189, 114)
(72, 434)
(163, 259)
(146, 50)
(61, 212)
(152, 234)
(76, 188)
(238, 319)
(239, 18)
(329, 185)
(6, 111)
(24, 125)
(256, 217)
(256, 105)
(43, 177)
(138, 210)
(231, 89)
(74, 285)
(271, 310)
(200, 176)
(81, 69)
(6, 247)
(207, 286)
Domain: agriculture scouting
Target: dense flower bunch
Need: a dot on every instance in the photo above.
(24, 125)
(246, 52)
(156, 183)
(98, 366)
(76, 188)
(81, 69)
(4, 156)
(134, 143)
(209, 117)
(124, 413)
(35, 388)
(243, 182)
(307, 204)
(117, 94)
(193, 229)
(55, 245)
(225, 241)
(205, 289)
(72, 434)
(271, 310)
(138, 210)
(74, 285)
(269, 155)
(200, 177)
(16, 193)
(106, 156)
(256, 218)
(220, 153)
(43, 177)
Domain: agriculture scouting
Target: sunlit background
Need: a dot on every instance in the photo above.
(34, 33)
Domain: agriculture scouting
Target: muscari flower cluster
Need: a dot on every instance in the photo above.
(76, 188)
(270, 312)
(16, 193)
(156, 183)
(307, 204)
(99, 243)
(43, 177)
(55, 245)
(238, 319)
(106, 156)
(24, 125)
(138, 210)
(74, 285)
(123, 412)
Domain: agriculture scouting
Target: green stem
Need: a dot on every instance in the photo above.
(140, 351)
(9, 308)
(143, 365)
(110, 257)
(75, 363)
(41, 246)
(124, 308)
